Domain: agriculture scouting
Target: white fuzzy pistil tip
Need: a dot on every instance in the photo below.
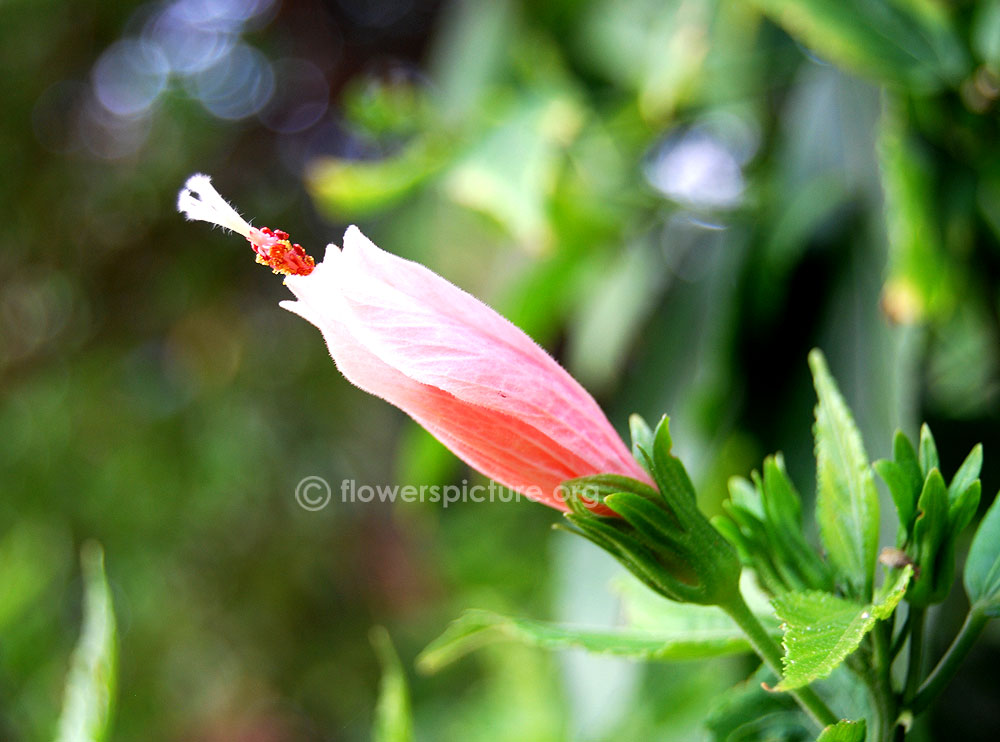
(199, 201)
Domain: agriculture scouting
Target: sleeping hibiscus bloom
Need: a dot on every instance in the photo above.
(471, 378)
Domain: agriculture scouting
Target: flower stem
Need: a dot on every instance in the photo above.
(913, 669)
(900, 640)
(948, 666)
(770, 652)
(881, 686)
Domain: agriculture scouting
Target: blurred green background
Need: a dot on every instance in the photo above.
(678, 198)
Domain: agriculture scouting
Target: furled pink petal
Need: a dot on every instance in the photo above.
(473, 379)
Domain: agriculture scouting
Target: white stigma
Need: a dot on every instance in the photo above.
(199, 201)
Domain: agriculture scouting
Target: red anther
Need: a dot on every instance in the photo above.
(275, 251)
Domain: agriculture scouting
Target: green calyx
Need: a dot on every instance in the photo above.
(658, 533)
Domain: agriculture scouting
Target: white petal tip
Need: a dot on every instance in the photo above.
(331, 254)
(301, 309)
(354, 239)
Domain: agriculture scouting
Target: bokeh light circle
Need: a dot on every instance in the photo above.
(129, 76)
(238, 85)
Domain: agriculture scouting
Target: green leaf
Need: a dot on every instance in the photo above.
(944, 514)
(645, 610)
(393, 717)
(783, 506)
(88, 698)
(905, 480)
(782, 502)
(877, 38)
(686, 632)
(350, 188)
(746, 496)
(748, 535)
(821, 630)
(904, 454)
(747, 550)
(930, 532)
(963, 509)
(928, 455)
(844, 731)
(982, 567)
(847, 500)
(967, 474)
(766, 529)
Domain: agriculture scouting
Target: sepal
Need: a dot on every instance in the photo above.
(659, 535)
(598, 486)
(642, 437)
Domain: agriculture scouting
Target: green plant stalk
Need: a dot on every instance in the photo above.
(949, 664)
(913, 668)
(900, 639)
(770, 652)
(881, 685)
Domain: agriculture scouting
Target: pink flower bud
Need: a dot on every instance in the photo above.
(475, 381)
